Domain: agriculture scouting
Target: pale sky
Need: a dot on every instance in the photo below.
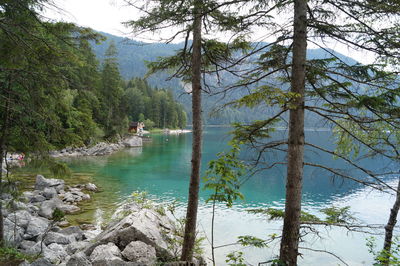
(101, 15)
(107, 15)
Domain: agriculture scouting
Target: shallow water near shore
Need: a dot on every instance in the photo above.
(162, 168)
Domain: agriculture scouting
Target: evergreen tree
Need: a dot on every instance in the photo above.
(111, 113)
(40, 63)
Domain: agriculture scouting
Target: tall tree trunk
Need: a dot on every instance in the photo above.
(3, 136)
(291, 224)
(191, 213)
(387, 245)
(1, 193)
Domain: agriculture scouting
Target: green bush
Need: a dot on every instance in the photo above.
(12, 256)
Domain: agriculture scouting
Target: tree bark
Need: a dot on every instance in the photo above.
(291, 224)
(387, 245)
(1, 193)
(3, 136)
(191, 213)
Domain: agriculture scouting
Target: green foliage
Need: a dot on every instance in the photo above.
(250, 133)
(12, 256)
(338, 215)
(57, 215)
(141, 117)
(155, 107)
(267, 95)
(50, 78)
(252, 241)
(383, 257)
(235, 258)
(223, 176)
(334, 215)
(149, 124)
(59, 169)
(160, 210)
(112, 112)
(141, 198)
(54, 95)
(272, 213)
(175, 240)
(308, 217)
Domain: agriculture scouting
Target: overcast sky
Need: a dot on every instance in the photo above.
(107, 15)
(101, 15)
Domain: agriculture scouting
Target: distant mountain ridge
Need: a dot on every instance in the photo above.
(132, 56)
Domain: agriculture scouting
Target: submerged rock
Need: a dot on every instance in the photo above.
(68, 208)
(91, 187)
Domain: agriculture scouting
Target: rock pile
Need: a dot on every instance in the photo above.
(28, 224)
(50, 194)
(142, 237)
(99, 149)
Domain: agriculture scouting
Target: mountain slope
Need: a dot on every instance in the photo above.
(132, 57)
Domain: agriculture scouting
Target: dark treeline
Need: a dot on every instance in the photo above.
(154, 107)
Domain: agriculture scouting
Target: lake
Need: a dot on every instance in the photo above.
(162, 169)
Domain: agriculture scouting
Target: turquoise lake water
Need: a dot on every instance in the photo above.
(162, 169)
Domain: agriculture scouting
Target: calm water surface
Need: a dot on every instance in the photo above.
(162, 169)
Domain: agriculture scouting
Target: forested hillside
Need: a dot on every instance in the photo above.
(132, 58)
(55, 93)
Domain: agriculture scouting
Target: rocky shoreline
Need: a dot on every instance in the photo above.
(102, 148)
(138, 235)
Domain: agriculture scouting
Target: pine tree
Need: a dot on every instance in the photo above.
(111, 113)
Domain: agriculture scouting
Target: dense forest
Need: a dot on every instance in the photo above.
(154, 107)
(55, 72)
